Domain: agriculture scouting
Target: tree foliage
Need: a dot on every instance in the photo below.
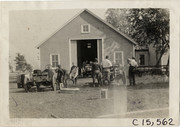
(145, 26)
(21, 64)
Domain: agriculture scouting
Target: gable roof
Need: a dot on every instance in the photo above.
(97, 17)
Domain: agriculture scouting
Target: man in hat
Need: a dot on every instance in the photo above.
(96, 72)
(132, 65)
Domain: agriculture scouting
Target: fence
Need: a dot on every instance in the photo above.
(152, 70)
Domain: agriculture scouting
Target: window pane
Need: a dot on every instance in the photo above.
(85, 28)
(142, 60)
(54, 59)
(118, 58)
(56, 64)
(53, 64)
(116, 55)
(117, 62)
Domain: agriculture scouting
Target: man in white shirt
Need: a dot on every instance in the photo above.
(106, 64)
(132, 62)
(132, 65)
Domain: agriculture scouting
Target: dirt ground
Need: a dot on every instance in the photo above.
(142, 100)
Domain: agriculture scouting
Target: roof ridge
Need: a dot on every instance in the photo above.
(124, 35)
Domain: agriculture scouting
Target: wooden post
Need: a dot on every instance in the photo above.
(104, 93)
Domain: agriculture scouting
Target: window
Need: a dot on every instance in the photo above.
(142, 59)
(85, 28)
(118, 57)
(54, 60)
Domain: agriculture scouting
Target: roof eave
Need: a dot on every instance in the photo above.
(122, 34)
(38, 46)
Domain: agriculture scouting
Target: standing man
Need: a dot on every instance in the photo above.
(106, 64)
(60, 76)
(132, 65)
(50, 75)
(96, 72)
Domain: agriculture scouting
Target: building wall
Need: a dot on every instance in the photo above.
(153, 56)
(59, 42)
(146, 55)
(73, 51)
(164, 59)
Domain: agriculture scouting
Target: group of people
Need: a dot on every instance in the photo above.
(106, 66)
(98, 69)
(62, 75)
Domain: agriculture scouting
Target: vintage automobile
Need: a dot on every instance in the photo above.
(37, 79)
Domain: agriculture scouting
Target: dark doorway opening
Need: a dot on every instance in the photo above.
(86, 51)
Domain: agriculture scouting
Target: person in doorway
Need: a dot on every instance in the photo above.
(84, 64)
(73, 73)
(83, 68)
(96, 72)
(132, 65)
(106, 64)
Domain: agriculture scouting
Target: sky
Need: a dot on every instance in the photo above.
(28, 28)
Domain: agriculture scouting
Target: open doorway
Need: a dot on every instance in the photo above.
(86, 51)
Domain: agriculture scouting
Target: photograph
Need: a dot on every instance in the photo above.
(89, 63)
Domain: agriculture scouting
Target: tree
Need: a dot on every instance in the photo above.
(118, 18)
(28, 67)
(145, 26)
(21, 64)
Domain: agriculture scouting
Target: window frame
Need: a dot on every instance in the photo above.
(122, 57)
(52, 61)
(82, 30)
